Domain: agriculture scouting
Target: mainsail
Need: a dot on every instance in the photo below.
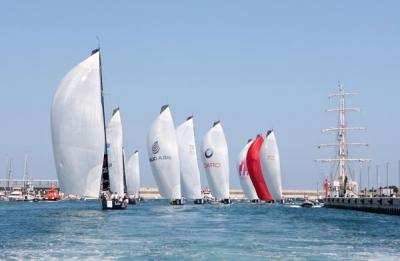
(115, 153)
(254, 168)
(270, 164)
(164, 156)
(216, 161)
(133, 175)
(77, 127)
(244, 177)
(190, 173)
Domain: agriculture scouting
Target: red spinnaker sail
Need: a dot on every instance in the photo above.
(254, 168)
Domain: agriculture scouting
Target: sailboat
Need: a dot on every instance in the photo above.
(133, 178)
(115, 198)
(164, 156)
(190, 173)
(216, 162)
(78, 129)
(254, 168)
(244, 177)
(270, 165)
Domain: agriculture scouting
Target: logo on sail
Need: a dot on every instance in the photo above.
(155, 148)
(209, 153)
(212, 165)
(243, 169)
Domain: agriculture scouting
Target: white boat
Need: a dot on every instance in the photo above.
(77, 124)
(133, 178)
(244, 177)
(216, 162)
(164, 156)
(270, 165)
(190, 173)
(16, 195)
(115, 154)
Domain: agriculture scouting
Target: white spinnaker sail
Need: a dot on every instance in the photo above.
(190, 173)
(270, 165)
(164, 156)
(245, 180)
(77, 129)
(115, 153)
(133, 175)
(216, 161)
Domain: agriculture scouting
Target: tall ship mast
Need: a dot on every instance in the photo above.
(342, 183)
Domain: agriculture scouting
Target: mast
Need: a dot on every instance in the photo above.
(9, 174)
(124, 172)
(343, 174)
(25, 177)
(105, 178)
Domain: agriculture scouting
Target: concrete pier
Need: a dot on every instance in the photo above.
(382, 205)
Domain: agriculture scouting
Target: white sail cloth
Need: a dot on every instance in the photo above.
(77, 129)
(190, 173)
(270, 165)
(133, 175)
(164, 156)
(216, 161)
(115, 153)
(244, 177)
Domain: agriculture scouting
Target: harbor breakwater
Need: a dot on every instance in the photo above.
(383, 205)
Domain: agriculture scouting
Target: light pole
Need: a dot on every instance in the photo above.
(368, 178)
(377, 178)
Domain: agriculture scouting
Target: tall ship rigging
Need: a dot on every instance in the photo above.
(342, 182)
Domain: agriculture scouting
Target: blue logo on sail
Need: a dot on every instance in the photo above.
(155, 148)
(209, 153)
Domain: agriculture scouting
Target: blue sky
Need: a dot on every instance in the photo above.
(254, 65)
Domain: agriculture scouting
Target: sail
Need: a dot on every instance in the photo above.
(244, 177)
(77, 129)
(164, 156)
(254, 168)
(115, 153)
(133, 175)
(216, 161)
(270, 164)
(190, 173)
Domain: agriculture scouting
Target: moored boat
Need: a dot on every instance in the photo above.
(51, 195)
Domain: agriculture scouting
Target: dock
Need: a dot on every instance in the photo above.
(382, 205)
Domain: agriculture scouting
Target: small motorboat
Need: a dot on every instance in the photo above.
(307, 204)
(51, 195)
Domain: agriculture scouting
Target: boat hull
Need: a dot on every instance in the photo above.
(226, 201)
(199, 201)
(113, 204)
(177, 202)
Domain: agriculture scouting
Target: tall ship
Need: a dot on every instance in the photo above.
(341, 182)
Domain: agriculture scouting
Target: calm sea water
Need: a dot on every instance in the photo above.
(154, 230)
